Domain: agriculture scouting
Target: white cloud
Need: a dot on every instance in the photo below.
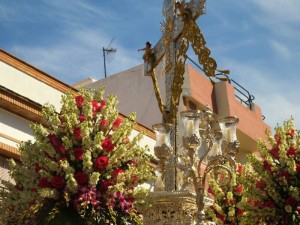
(281, 49)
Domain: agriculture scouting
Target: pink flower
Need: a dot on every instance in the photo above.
(107, 145)
(101, 163)
(78, 153)
(77, 133)
(116, 124)
(116, 172)
(79, 101)
(81, 178)
(103, 124)
(58, 182)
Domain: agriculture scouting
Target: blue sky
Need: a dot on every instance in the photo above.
(258, 40)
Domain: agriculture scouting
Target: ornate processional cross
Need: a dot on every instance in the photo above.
(179, 31)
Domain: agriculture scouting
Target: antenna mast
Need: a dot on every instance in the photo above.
(105, 52)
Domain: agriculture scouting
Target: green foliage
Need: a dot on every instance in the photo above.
(84, 167)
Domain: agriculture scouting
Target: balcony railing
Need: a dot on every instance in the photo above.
(242, 94)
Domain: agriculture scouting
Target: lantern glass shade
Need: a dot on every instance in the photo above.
(216, 148)
(191, 121)
(162, 132)
(228, 127)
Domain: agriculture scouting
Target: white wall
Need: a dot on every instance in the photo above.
(15, 127)
(29, 87)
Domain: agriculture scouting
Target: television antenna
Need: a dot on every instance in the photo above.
(106, 51)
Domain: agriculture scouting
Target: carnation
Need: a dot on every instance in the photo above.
(69, 173)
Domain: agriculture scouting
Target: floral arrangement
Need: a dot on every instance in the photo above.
(225, 209)
(82, 167)
(273, 195)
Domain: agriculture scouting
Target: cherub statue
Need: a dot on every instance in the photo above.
(148, 53)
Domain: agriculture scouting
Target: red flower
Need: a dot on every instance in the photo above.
(298, 168)
(96, 105)
(101, 163)
(116, 124)
(54, 140)
(239, 189)
(78, 153)
(221, 217)
(132, 163)
(81, 178)
(268, 204)
(260, 185)
(275, 153)
(43, 182)
(240, 169)
(102, 105)
(58, 182)
(284, 174)
(79, 101)
(291, 152)
(240, 212)
(77, 133)
(103, 124)
(134, 178)
(291, 201)
(81, 118)
(210, 190)
(116, 172)
(277, 138)
(125, 140)
(107, 145)
(267, 166)
(62, 150)
(105, 184)
(37, 167)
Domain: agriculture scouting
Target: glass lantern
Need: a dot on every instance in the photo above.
(191, 121)
(216, 148)
(162, 132)
(228, 127)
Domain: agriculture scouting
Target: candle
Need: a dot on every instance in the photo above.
(190, 128)
(228, 134)
(161, 139)
(214, 150)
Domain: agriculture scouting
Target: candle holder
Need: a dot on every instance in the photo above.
(163, 149)
(221, 147)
